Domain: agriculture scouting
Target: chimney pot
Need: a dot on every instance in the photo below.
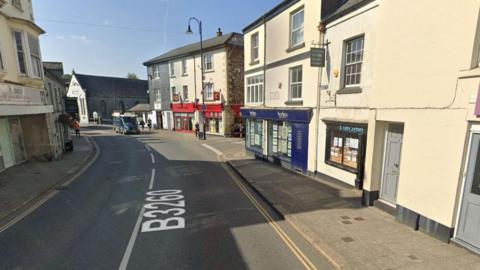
(219, 33)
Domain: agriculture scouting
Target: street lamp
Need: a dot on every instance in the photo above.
(190, 32)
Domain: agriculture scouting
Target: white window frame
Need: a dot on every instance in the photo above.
(185, 92)
(255, 47)
(184, 67)
(24, 51)
(254, 89)
(156, 72)
(33, 56)
(208, 56)
(298, 29)
(172, 69)
(209, 89)
(297, 83)
(351, 66)
(158, 94)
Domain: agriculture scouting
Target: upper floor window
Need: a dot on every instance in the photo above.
(17, 3)
(156, 72)
(254, 43)
(185, 92)
(353, 61)
(209, 91)
(296, 77)
(20, 46)
(35, 56)
(158, 94)
(255, 89)
(184, 67)
(2, 64)
(208, 61)
(296, 28)
(172, 69)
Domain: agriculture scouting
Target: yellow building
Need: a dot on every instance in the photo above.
(23, 102)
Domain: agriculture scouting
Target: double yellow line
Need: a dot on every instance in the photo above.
(290, 244)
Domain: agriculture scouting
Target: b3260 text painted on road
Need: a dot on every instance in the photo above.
(164, 211)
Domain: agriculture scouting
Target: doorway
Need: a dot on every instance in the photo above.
(469, 223)
(391, 163)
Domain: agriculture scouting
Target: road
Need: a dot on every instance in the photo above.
(198, 215)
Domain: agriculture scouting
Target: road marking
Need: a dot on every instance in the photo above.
(131, 243)
(148, 148)
(152, 179)
(153, 158)
(215, 150)
(290, 244)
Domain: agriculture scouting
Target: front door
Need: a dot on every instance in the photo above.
(17, 140)
(469, 226)
(391, 167)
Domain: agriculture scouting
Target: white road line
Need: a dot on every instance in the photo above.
(131, 243)
(148, 148)
(152, 179)
(215, 150)
(153, 158)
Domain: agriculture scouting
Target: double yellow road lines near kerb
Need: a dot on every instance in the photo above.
(290, 244)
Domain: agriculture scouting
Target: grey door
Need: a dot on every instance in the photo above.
(469, 226)
(391, 169)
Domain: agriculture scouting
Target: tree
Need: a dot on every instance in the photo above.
(132, 76)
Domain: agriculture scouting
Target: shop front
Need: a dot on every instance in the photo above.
(213, 117)
(183, 116)
(346, 147)
(279, 135)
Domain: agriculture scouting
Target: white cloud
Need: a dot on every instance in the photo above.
(77, 38)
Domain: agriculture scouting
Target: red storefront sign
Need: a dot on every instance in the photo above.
(212, 110)
(183, 107)
(216, 95)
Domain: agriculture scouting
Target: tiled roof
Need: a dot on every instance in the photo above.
(194, 48)
(111, 86)
(343, 8)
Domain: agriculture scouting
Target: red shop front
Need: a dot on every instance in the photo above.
(183, 115)
(213, 117)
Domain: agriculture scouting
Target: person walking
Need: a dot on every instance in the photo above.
(142, 124)
(197, 129)
(76, 126)
(149, 124)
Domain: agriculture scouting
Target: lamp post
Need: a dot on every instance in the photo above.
(189, 31)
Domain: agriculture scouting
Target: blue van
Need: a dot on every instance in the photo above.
(125, 124)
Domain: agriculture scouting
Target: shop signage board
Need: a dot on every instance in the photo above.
(19, 95)
(303, 116)
(317, 57)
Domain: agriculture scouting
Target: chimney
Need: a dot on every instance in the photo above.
(219, 32)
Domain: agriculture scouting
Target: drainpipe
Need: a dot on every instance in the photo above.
(321, 37)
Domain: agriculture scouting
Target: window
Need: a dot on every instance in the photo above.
(344, 145)
(184, 67)
(209, 91)
(185, 92)
(17, 3)
(35, 56)
(158, 94)
(208, 62)
(281, 142)
(254, 43)
(254, 134)
(22, 66)
(2, 65)
(353, 61)
(296, 76)
(172, 69)
(296, 28)
(255, 89)
(156, 71)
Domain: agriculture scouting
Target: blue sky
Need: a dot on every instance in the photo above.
(114, 37)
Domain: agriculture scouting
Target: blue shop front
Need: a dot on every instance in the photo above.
(279, 135)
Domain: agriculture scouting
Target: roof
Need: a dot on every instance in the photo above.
(142, 107)
(48, 73)
(344, 7)
(194, 48)
(111, 86)
(270, 14)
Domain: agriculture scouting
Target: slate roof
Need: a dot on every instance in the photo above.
(140, 108)
(194, 48)
(111, 86)
(344, 7)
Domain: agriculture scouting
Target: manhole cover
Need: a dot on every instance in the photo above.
(61, 187)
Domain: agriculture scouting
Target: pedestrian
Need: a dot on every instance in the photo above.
(76, 126)
(149, 124)
(197, 129)
(142, 124)
(241, 129)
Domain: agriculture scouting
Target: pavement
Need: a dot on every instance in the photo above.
(330, 216)
(155, 201)
(24, 185)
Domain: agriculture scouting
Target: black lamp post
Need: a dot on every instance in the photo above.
(189, 31)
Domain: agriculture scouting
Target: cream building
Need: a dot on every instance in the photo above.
(23, 103)
(223, 83)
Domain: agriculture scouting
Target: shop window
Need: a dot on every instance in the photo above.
(254, 134)
(255, 89)
(344, 146)
(281, 138)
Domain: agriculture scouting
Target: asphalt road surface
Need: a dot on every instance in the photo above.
(152, 202)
